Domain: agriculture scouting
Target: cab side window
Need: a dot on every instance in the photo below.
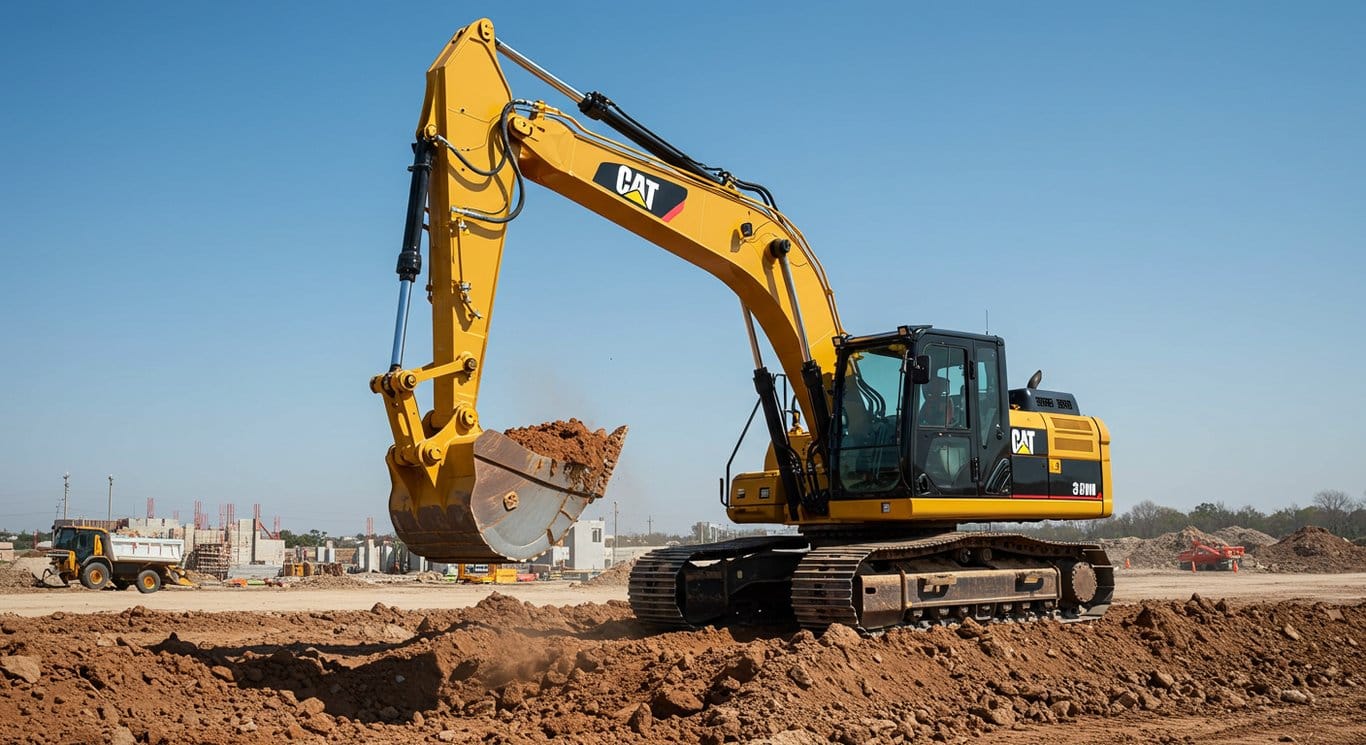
(942, 400)
(988, 394)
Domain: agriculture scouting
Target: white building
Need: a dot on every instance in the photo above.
(587, 547)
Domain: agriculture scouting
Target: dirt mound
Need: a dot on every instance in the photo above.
(24, 575)
(593, 452)
(330, 582)
(508, 672)
(1245, 537)
(11, 580)
(1159, 552)
(618, 575)
(200, 578)
(1313, 550)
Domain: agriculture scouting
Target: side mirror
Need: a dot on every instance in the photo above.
(920, 369)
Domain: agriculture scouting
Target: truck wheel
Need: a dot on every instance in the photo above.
(95, 576)
(149, 580)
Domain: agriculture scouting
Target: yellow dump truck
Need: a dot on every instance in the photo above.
(99, 558)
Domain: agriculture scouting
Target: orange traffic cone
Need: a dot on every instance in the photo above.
(1126, 563)
(1192, 567)
(1235, 567)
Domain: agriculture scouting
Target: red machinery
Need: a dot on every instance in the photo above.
(1204, 557)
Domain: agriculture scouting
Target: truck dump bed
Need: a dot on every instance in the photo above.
(146, 550)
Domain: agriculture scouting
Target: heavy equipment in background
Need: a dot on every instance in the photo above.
(1204, 557)
(881, 444)
(99, 558)
(485, 574)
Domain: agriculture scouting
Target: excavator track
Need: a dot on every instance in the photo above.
(659, 582)
(870, 585)
(826, 586)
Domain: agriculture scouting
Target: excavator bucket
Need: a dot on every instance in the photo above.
(512, 505)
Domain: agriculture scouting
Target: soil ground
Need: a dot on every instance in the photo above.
(1133, 585)
(570, 665)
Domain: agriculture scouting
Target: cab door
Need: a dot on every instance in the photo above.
(991, 411)
(946, 447)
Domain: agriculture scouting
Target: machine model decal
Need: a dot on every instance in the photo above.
(654, 195)
(1028, 441)
(1038, 478)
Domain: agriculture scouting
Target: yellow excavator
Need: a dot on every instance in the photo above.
(908, 433)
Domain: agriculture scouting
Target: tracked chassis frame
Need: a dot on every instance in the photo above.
(817, 581)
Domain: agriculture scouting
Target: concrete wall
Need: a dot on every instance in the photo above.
(269, 551)
(627, 553)
(193, 537)
(152, 527)
(241, 537)
(709, 532)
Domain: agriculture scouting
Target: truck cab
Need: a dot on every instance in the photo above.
(98, 559)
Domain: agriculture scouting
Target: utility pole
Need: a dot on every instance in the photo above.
(650, 525)
(616, 534)
(66, 493)
(109, 514)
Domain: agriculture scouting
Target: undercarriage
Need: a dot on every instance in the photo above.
(819, 580)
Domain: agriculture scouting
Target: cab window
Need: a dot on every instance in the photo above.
(941, 400)
(869, 446)
(66, 539)
(988, 394)
(944, 446)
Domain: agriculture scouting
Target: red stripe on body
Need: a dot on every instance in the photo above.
(674, 212)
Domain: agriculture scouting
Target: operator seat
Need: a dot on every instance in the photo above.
(937, 410)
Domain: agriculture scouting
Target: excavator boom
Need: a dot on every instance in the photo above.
(476, 147)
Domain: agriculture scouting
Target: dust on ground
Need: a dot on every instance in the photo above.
(504, 671)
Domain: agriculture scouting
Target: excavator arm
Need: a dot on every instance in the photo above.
(462, 493)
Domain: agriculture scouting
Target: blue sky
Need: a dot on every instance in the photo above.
(200, 204)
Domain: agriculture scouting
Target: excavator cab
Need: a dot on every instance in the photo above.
(920, 412)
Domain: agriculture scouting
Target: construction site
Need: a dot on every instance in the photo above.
(1183, 657)
(920, 545)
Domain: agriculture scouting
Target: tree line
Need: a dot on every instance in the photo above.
(1330, 509)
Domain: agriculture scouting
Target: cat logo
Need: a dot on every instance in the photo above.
(654, 195)
(1028, 442)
